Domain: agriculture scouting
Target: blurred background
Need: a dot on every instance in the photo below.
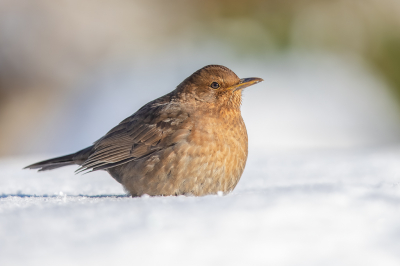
(71, 70)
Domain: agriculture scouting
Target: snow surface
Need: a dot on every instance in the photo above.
(290, 208)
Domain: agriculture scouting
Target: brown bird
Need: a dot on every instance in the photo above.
(191, 141)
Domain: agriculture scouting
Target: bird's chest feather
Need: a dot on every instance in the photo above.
(220, 142)
(219, 134)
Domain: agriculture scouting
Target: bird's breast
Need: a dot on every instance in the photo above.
(218, 149)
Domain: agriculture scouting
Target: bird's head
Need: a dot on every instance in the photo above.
(217, 85)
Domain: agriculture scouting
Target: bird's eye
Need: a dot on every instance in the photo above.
(215, 85)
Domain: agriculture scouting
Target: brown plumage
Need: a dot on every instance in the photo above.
(192, 141)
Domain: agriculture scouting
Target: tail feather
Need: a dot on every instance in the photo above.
(70, 159)
(53, 163)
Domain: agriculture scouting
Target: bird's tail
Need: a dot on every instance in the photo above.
(70, 159)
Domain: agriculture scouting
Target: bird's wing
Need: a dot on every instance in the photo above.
(156, 126)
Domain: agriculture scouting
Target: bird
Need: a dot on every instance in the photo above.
(191, 141)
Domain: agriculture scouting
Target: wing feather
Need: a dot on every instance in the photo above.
(156, 126)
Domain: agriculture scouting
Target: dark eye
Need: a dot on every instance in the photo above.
(215, 85)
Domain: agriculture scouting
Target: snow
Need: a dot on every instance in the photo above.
(290, 208)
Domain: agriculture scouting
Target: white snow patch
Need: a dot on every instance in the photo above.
(315, 208)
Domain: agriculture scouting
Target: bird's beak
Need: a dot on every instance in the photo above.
(246, 82)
